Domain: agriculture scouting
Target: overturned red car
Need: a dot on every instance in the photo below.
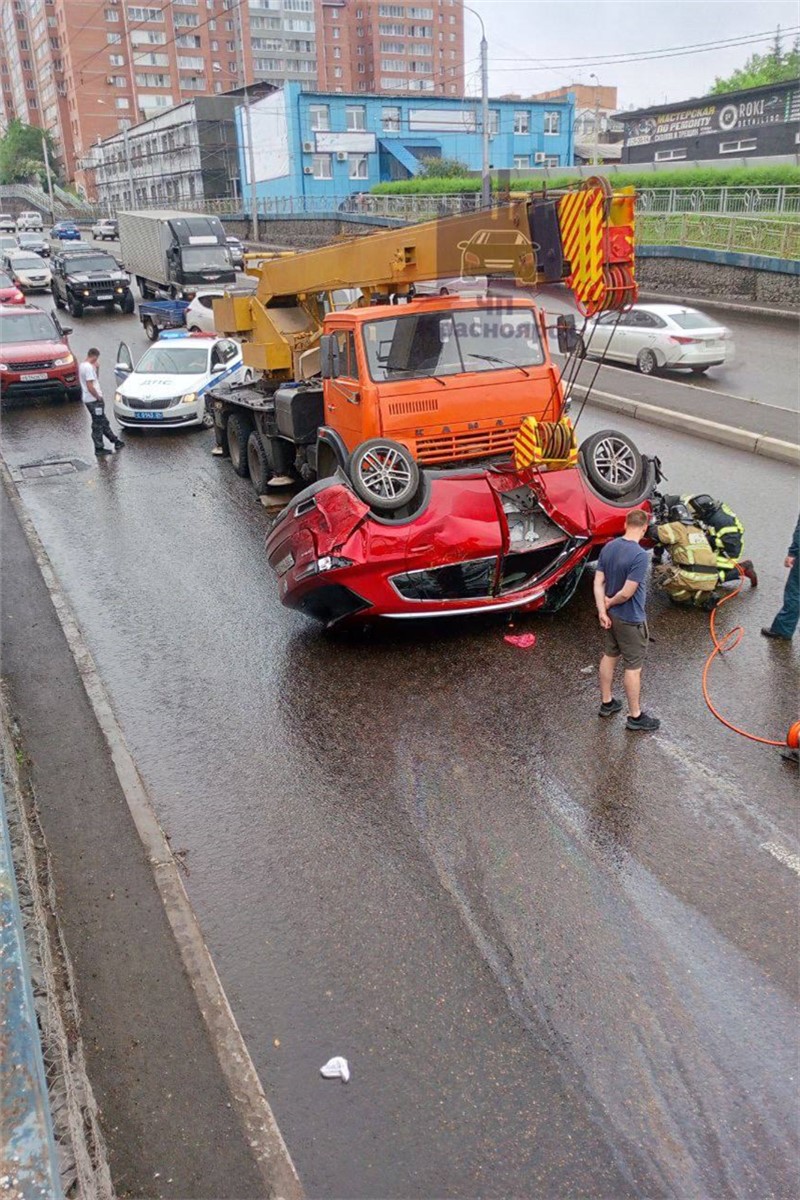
(474, 538)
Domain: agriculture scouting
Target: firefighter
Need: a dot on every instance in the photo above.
(725, 533)
(691, 576)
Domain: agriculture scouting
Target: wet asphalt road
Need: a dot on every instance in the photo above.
(561, 959)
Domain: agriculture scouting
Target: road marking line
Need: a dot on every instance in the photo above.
(270, 1152)
(792, 861)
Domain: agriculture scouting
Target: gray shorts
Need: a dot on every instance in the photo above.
(629, 641)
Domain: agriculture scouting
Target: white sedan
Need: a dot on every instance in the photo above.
(200, 313)
(28, 271)
(168, 385)
(657, 336)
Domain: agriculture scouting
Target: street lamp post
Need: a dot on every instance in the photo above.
(595, 159)
(486, 181)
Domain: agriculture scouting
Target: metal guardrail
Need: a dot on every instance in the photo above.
(745, 235)
(29, 1163)
(725, 201)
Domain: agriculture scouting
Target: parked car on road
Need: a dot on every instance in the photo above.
(90, 279)
(236, 250)
(28, 271)
(31, 219)
(200, 313)
(658, 336)
(9, 292)
(35, 358)
(105, 229)
(66, 231)
(7, 223)
(8, 244)
(170, 380)
(34, 243)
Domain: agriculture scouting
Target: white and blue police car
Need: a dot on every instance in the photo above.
(168, 385)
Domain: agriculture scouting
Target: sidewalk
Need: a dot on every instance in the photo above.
(166, 1110)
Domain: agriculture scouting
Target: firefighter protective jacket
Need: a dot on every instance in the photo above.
(690, 554)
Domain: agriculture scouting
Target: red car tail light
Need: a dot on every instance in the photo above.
(684, 341)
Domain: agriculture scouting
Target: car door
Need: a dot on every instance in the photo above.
(124, 364)
(600, 333)
(641, 333)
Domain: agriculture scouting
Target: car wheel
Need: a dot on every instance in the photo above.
(384, 474)
(612, 463)
(74, 395)
(59, 303)
(128, 304)
(257, 463)
(699, 370)
(239, 426)
(150, 329)
(75, 307)
(646, 362)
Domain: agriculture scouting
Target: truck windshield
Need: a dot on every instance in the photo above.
(174, 360)
(201, 258)
(450, 343)
(79, 264)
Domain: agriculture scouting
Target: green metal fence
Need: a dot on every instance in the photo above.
(745, 235)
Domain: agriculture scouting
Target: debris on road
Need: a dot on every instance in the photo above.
(587, 670)
(336, 1068)
(524, 641)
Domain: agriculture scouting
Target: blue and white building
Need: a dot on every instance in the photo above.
(325, 145)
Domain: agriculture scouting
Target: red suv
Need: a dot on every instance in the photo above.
(35, 358)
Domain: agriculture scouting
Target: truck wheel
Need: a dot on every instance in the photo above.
(59, 303)
(128, 303)
(257, 463)
(239, 426)
(75, 307)
(150, 329)
(612, 463)
(383, 474)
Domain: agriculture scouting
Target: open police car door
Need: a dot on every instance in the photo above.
(124, 364)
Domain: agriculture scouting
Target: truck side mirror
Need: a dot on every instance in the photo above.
(329, 356)
(566, 333)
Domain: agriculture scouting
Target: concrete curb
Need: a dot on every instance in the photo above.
(712, 431)
(752, 310)
(269, 1150)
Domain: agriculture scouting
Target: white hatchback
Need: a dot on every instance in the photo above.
(658, 336)
(169, 383)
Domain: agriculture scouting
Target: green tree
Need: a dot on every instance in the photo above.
(22, 154)
(775, 66)
(443, 168)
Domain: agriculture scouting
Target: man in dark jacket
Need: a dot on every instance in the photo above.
(785, 622)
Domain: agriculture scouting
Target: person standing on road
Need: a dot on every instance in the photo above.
(785, 622)
(620, 592)
(93, 399)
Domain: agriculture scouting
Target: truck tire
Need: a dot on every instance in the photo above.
(150, 329)
(74, 306)
(239, 426)
(384, 474)
(612, 463)
(128, 303)
(257, 463)
(59, 303)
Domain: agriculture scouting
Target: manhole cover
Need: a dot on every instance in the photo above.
(49, 469)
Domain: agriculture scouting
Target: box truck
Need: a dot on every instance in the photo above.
(174, 253)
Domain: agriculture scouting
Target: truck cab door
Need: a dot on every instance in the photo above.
(343, 410)
(124, 364)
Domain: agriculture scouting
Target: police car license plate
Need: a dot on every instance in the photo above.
(149, 416)
(34, 377)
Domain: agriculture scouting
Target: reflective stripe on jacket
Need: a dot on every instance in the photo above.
(694, 561)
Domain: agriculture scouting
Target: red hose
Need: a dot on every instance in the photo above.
(729, 642)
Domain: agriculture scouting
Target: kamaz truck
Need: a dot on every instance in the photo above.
(174, 253)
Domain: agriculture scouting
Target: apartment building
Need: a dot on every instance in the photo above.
(17, 72)
(405, 46)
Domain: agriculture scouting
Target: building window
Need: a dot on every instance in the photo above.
(670, 155)
(391, 118)
(337, 73)
(740, 147)
(522, 122)
(336, 31)
(111, 15)
(117, 60)
(362, 70)
(118, 81)
(358, 166)
(319, 118)
(337, 52)
(552, 122)
(552, 160)
(121, 102)
(355, 117)
(522, 162)
(494, 121)
(146, 14)
(321, 166)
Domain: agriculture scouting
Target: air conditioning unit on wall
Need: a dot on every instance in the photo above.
(308, 170)
(308, 147)
(341, 156)
(539, 156)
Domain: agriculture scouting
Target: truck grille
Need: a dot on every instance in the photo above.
(473, 443)
(405, 408)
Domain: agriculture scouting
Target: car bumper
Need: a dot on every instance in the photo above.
(40, 285)
(54, 387)
(700, 356)
(160, 418)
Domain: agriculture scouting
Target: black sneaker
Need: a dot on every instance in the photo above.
(770, 633)
(119, 443)
(608, 710)
(101, 450)
(643, 723)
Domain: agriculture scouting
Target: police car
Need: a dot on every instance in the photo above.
(168, 385)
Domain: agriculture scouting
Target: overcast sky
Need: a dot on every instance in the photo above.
(525, 36)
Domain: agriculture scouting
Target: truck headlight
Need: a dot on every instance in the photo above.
(189, 398)
(64, 362)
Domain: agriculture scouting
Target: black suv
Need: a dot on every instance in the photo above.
(89, 278)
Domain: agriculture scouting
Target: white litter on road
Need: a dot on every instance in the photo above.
(336, 1068)
(792, 861)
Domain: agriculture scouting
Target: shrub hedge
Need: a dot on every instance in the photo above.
(705, 177)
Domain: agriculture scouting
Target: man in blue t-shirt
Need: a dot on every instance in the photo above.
(620, 592)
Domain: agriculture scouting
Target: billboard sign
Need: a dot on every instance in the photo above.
(723, 116)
